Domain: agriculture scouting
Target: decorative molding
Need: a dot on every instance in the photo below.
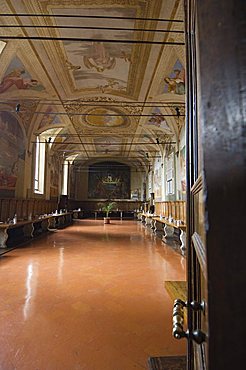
(198, 185)
(200, 252)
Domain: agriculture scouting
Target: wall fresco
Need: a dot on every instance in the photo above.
(182, 170)
(12, 146)
(157, 180)
(109, 180)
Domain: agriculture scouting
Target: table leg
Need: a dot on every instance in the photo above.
(168, 233)
(3, 237)
(152, 224)
(28, 230)
(45, 225)
(52, 223)
(182, 238)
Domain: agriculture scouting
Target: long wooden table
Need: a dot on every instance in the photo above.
(23, 231)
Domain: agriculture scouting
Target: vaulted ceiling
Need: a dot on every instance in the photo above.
(102, 79)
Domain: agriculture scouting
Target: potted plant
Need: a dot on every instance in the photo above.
(108, 207)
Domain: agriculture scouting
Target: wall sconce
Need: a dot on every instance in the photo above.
(177, 111)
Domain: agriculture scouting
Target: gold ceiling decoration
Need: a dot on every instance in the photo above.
(96, 89)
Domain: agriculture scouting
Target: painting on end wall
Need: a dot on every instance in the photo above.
(109, 180)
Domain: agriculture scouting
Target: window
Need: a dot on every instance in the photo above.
(65, 178)
(39, 166)
(169, 177)
(170, 186)
(2, 46)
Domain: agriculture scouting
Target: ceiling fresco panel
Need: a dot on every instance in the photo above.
(103, 144)
(115, 68)
(49, 118)
(104, 117)
(99, 64)
(174, 82)
(158, 121)
(16, 77)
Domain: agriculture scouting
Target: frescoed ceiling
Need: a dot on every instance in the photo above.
(106, 76)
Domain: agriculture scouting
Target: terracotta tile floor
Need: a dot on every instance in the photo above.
(90, 297)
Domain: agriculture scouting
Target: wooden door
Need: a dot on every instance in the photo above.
(216, 253)
(197, 333)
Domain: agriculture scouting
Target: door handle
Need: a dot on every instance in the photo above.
(178, 321)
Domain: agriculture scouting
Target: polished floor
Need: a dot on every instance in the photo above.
(91, 297)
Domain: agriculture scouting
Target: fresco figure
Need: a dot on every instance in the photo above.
(12, 146)
(183, 170)
(99, 58)
(159, 121)
(176, 84)
(14, 78)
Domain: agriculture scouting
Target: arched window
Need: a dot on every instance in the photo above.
(170, 175)
(39, 166)
(65, 178)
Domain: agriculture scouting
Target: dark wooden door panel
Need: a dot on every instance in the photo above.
(196, 243)
(216, 253)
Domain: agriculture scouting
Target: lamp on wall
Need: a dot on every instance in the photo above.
(17, 108)
(177, 111)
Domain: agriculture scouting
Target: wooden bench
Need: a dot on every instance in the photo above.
(25, 208)
(169, 227)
